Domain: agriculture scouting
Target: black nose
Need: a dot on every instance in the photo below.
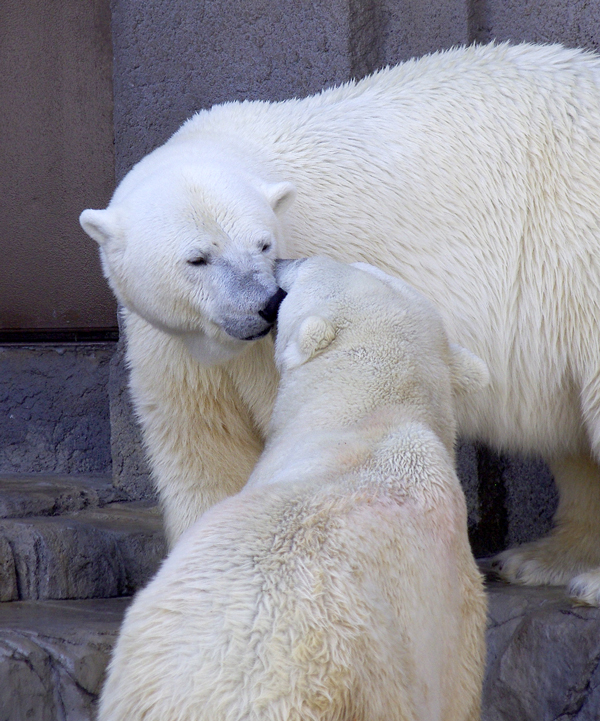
(269, 312)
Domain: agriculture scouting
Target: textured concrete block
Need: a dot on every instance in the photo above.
(131, 472)
(24, 496)
(411, 28)
(8, 573)
(173, 59)
(510, 500)
(531, 499)
(575, 23)
(54, 405)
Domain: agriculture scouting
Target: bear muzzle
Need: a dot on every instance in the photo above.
(269, 314)
(257, 324)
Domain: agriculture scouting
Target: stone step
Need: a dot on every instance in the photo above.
(543, 657)
(98, 552)
(36, 494)
(53, 655)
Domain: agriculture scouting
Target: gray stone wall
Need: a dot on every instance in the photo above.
(173, 59)
(575, 23)
(54, 409)
(131, 472)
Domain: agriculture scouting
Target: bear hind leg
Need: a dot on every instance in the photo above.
(571, 553)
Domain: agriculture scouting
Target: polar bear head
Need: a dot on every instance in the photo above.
(191, 249)
(356, 339)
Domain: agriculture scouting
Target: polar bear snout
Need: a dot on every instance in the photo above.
(243, 299)
(256, 324)
(269, 312)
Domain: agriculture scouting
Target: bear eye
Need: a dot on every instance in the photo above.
(200, 260)
(265, 247)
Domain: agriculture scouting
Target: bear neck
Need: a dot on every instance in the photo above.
(394, 392)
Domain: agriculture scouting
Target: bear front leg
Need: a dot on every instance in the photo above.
(571, 553)
(199, 434)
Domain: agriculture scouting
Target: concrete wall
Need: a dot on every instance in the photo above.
(56, 158)
(575, 23)
(172, 59)
(54, 408)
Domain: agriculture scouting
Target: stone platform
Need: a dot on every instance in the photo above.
(53, 655)
(543, 657)
(73, 551)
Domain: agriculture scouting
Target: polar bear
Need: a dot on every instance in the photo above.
(339, 584)
(473, 174)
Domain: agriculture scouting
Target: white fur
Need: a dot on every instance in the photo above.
(473, 174)
(339, 584)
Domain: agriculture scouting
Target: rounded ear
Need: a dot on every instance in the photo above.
(279, 195)
(314, 335)
(469, 373)
(98, 224)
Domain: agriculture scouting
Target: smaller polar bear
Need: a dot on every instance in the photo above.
(339, 584)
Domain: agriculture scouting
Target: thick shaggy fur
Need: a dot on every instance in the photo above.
(473, 174)
(339, 584)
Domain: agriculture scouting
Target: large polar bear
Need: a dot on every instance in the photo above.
(473, 174)
(339, 584)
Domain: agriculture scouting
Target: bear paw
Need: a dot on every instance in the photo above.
(585, 588)
(520, 565)
(551, 561)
